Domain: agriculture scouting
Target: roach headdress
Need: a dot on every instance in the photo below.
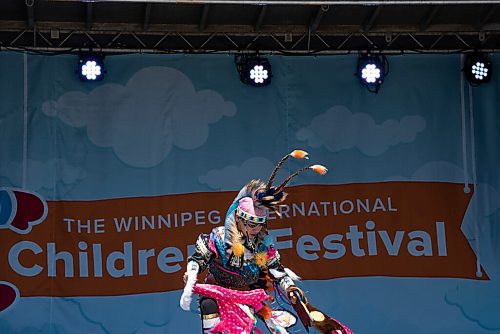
(256, 198)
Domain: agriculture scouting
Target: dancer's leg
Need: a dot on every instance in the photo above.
(209, 314)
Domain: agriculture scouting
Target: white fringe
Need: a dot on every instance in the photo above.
(279, 274)
(292, 275)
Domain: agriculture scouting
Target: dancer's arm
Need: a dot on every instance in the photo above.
(197, 263)
(286, 278)
(202, 254)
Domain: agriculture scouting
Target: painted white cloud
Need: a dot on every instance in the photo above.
(442, 171)
(43, 174)
(235, 177)
(46, 315)
(339, 129)
(147, 313)
(157, 109)
(478, 302)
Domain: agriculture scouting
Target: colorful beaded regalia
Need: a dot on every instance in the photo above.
(243, 266)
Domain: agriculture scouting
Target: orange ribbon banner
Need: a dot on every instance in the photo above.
(140, 245)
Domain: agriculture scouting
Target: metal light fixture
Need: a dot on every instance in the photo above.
(371, 71)
(253, 70)
(477, 68)
(91, 66)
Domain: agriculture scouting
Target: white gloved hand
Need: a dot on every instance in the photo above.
(192, 275)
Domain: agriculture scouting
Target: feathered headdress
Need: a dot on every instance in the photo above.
(264, 196)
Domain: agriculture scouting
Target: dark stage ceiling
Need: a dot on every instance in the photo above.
(286, 27)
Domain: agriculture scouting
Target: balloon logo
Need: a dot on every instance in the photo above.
(9, 294)
(20, 210)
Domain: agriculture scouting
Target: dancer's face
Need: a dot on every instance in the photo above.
(248, 227)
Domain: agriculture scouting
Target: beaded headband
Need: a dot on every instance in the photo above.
(249, 217)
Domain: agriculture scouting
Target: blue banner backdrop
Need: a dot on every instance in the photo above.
(182, 124)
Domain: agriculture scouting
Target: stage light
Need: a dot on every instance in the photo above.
(371, 71)
(477, 68)
(253, 70)
(91, 67)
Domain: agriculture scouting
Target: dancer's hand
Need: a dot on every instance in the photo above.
(294, 293)
(190, 280)
(190, 277)
(192, 269)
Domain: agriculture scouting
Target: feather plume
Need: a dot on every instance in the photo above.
(238, 249)
(261, 259)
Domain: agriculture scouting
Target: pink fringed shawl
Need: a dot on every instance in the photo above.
(234, 320)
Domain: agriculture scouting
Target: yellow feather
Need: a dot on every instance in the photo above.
(238, 249)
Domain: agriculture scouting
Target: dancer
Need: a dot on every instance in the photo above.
(242, 265)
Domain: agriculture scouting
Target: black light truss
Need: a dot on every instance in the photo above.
(319, 42)
(219, 26)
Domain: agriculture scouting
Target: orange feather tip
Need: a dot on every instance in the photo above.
(299, 154)
(320, 169)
